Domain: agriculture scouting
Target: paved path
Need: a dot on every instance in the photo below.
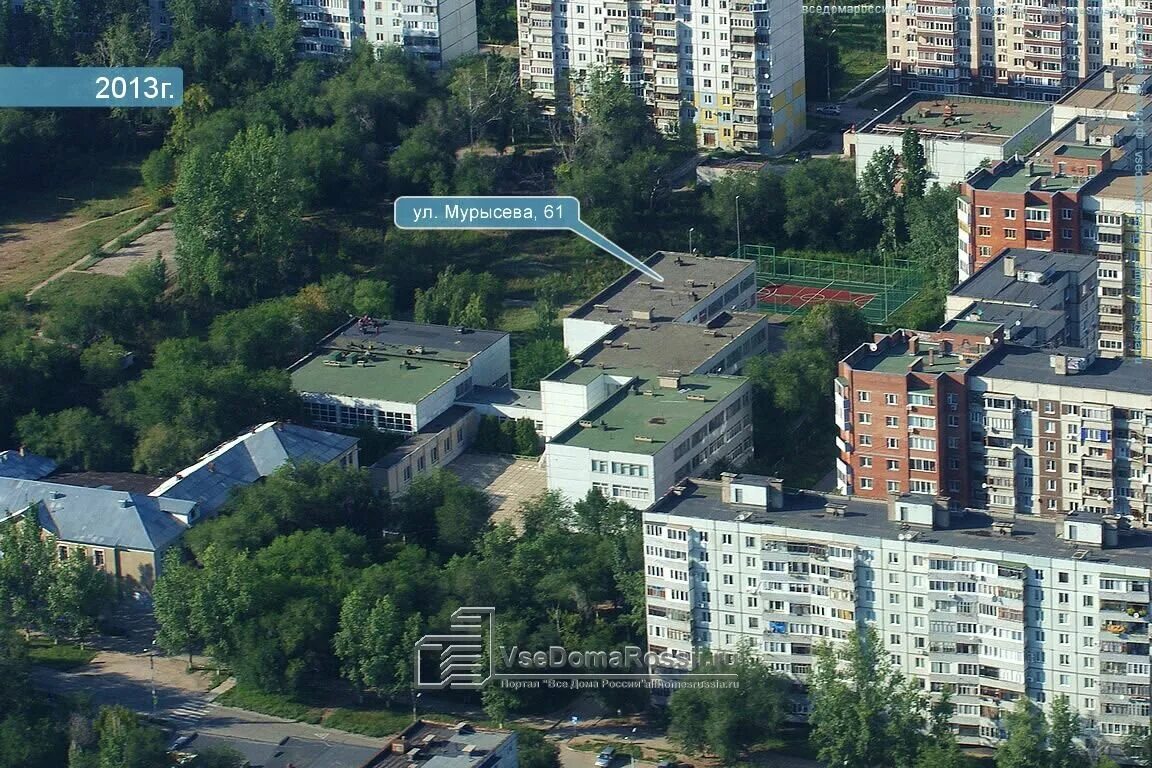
(75, 266)
(508, 481)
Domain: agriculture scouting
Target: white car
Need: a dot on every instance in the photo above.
(829, 109)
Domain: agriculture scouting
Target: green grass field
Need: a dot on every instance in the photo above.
(860, 40)
(62, 656)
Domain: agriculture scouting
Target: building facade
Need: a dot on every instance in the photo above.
(734, 69)
(437, 31)
(986, 609)
(1033, 50)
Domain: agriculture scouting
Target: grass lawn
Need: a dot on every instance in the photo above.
(64, 656)
(860, 40)
(375, 721)
(70, 285)
(51, 229)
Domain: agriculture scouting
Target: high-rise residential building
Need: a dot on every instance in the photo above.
(437, 31)
(988, 609)
(732, 68)
(1080, 191)
(1033, 50)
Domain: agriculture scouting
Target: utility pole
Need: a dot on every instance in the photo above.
(828, 65)
(739, 246)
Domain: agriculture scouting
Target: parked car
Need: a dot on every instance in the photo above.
(607, 755)
(667, 764)
(829, 109)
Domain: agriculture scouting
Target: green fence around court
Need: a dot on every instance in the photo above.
(891, 285)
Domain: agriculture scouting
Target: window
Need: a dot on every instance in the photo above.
(892, 443)
(983, 211)
(864, 396)
(864, 418)
(866, 484)
(891, 399)
(892, 421)
(98, 558)
(893, 486)
(1009, 234)
(984, 231)
(893, 465)
(1010, 213)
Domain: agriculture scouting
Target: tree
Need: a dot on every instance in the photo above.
(77, 438)
(371, 644)
(1138, 746)
(914, 165)
(219, 757)
(460, 298)
(487, 97)
(375, 298)
(126, 743)
(78, 594)
(237, 217)
(878, 195)
(1063, 731)
(535, 750)
(864, 712)
(534, 360)
(726, 721)
(822, 207)
(26, 569)
(1027, 732)
(423, 162)
(158, 172)
(172, 606)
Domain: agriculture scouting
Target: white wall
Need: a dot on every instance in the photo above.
(570, 472)
(492, 367)
(457, 29)
(581, 334)
(440, 400)
(565, 403)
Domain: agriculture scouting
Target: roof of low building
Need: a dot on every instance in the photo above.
(250, 457)
(438, 745)
(290, 751)
(970, 118)
(1092, 95)
(25, 466)
(97, 517)
(991, 282)
(656, 415)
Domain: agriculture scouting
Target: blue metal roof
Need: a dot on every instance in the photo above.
(250, 457)
(26, 466)
(97, 516)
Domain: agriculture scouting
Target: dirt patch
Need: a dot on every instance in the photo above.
(509, 482)
(143, 249)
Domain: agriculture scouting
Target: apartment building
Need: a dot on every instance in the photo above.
(732, 68)
(1035, 50)
(968, 414)
(436, 31)
(986, 608)
(958, 133)
(650, 395)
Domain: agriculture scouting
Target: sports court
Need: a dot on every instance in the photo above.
(790, 286)
(799, 296)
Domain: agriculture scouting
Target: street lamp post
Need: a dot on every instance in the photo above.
(828, 65)
(739, 245)
(690, 231)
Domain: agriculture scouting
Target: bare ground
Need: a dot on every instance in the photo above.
(143, 249)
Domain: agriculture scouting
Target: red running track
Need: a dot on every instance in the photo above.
(806, 295)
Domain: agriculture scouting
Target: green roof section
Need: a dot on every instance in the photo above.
(897, 360)
(971, 326)
(656, 415)
(972, 114)
(395, 379)
(1018, 181)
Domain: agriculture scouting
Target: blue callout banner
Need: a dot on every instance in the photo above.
(91, 86)
(460, 212)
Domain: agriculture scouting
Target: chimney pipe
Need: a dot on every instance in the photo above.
(913, 345)
(1109, 79)
(1009, 265)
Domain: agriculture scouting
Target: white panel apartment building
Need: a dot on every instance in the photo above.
(437, 31)
(648, 397)
(734, 68)
(991, 610)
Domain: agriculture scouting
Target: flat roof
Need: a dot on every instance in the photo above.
(438, 745)
(1022, 323)
(528, 399)
(389, 359)
(664, 347)
(895, 359)
(667, 300)
(401, 380)
(1092, 95)
(1126, 185)
(1128, 374)
(1018, 180)
(807, 511)
(661, 416)
(990, 282)
(290, 751)
(982, 120)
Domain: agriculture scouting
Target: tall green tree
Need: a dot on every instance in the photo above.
(78, 438)
(374, 644)
(914, 165)
(725, 721)
(172, 606)
(1064, 729)
(1027, 733)
(26, 570)
(237, 217)
(78, 594)
(125, 742)
(879, 198)
(864, 712)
